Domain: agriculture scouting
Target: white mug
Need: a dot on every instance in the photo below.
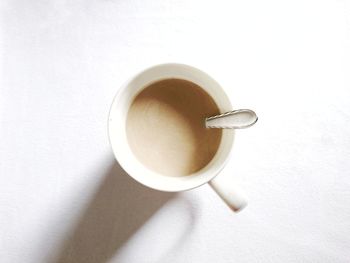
(152, 179)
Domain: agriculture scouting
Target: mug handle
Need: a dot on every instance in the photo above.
(234, 198)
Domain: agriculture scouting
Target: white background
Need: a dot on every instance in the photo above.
(64, 199)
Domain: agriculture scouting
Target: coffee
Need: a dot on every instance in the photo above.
(166, 130)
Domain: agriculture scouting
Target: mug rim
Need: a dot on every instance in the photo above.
(229, 134)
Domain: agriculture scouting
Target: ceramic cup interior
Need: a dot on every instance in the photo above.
(118, 137)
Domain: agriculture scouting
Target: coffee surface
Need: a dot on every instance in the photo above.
(166, 129)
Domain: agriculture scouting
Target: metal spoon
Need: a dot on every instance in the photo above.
(237, 119)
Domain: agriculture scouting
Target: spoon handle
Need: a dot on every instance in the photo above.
(237, 119)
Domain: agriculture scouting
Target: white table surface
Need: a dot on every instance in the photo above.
(63, 198)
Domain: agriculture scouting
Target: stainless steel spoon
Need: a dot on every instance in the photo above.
(237, 119)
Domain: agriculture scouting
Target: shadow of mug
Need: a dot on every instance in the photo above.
(117, 210)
